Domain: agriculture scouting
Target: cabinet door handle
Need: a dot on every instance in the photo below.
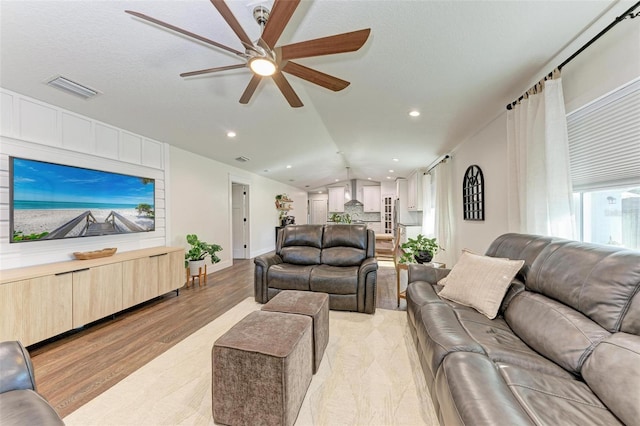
(158, 255)
(70, 272)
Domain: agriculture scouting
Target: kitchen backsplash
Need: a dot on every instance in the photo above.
(358, 213)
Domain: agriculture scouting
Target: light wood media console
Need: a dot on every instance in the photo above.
(40, 302)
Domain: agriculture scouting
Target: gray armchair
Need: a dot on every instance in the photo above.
(20, 404)
(335, 259)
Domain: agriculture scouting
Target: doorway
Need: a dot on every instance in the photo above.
(319, 211)
(240, 220)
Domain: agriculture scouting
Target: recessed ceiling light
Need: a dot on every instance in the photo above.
(414, 113)
(396, 159)
(391, 171)
(289, 166)
(368, 178)
(319, 192)
(388, 177)
(337, 180)
(231, 134)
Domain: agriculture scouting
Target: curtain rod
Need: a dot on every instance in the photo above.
(628, 14)
(433, 165)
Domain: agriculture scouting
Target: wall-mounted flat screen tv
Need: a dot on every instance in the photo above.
(53, 201)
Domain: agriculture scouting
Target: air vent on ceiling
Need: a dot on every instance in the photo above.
(72, 87)
(242, 159)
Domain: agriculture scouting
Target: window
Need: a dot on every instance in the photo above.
(610, 216)
(604, 151)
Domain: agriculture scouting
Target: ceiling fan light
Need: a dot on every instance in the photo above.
(262, 66)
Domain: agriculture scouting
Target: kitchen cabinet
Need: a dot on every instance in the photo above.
(371, 198)
(414, 191)
(336, 199)
(39, 302)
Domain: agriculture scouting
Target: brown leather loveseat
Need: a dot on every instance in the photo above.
(564, 348)
(334, 259)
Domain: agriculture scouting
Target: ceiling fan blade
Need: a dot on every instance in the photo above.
(321, 79)
(232, 21)
(278, 19)
(287, 90)
(251, 87)
(184, 32)
(339, 43)
(210, 70)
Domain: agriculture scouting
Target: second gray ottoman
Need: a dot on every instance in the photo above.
(261, 369)
(314, 305)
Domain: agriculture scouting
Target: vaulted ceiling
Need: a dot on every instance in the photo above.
(457, 62)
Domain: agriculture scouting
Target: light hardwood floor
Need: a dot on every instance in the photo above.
(75, 368)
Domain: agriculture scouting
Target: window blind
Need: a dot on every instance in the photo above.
(604, 140)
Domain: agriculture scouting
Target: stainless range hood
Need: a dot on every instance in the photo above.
(354, 194)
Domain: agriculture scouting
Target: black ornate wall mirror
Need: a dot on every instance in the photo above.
(473, 194)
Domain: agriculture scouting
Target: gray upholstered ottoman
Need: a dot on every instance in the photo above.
(261, 369)
(314, 305)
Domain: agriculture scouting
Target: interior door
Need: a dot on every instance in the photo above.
(319, 211)
(239, 219)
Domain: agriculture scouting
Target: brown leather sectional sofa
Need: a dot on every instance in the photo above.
(335, 259)
(564, 349)
(20, 403)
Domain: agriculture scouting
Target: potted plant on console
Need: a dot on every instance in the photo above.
(420, 249)
(198, 252)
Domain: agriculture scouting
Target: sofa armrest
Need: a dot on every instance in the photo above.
(427, 273)
(16, 369)
(367, 285)
(260, 281)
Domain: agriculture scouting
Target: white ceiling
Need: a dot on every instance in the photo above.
(458, 62)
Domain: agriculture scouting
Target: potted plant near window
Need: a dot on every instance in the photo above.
(198, 252)
(420, 249)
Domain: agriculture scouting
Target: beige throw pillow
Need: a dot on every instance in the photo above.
(480, 282)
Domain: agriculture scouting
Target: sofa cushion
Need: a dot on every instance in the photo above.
(556, 331)
(519, 246)
(613, 373)
(300, 255)
(334, 279)
(501, 344)
(471, 391)
(598, 281)
(480, 282)
(553, 400)
(285, 276)
(301, 244)
(344, 245)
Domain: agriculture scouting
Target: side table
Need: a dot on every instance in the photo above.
(405, 267)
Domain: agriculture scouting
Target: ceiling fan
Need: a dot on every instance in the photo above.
(266, 59)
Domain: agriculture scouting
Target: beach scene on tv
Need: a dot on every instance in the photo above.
(53, 201)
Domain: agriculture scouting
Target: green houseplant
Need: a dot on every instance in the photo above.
(420, 249)
(198, 252)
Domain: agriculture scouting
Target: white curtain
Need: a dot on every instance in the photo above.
(428, 212)
(540, 191)
(444, 213)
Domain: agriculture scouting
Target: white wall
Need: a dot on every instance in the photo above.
(201, 204)
(193, 193)
(35, 130)
(606, 65)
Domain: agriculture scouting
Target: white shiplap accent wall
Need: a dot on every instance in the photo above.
(39, 131)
